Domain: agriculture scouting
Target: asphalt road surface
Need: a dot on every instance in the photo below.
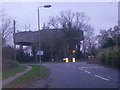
(81, 75)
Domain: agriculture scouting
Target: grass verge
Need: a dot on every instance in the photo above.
(37, 72)
(0, 75)
(12, 72)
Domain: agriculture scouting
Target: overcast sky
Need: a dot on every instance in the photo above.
(103, 15)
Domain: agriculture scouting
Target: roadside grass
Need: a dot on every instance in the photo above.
(12, 72)
(0, 75)
(37, 72)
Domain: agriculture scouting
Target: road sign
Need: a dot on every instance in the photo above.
(39, 52)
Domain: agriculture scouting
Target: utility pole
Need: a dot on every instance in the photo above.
(39, 37)
(29, 27)
(14, 39)
(25, 27)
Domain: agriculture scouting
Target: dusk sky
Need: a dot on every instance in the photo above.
(103, 15)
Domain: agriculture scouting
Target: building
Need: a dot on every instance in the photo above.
(54, 43)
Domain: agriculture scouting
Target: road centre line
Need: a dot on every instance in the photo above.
(87, 72)
(91, 67)
(80, 68)
(94, 75)
(73, 66)
(102, 77)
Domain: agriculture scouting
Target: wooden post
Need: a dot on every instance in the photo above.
(14, 39)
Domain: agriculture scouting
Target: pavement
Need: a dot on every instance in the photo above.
(80, 75)
(17, 75)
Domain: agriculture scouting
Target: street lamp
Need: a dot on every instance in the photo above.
(45, 6)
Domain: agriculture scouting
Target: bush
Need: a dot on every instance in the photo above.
(21, 57)
(7, 58)
(8, 64)
(101, 57)
(110, 56)
(7, 52)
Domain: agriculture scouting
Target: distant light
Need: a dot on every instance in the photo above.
(67, 60)
(73, 51)
(73, 59)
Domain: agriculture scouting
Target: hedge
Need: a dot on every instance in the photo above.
(110, 56)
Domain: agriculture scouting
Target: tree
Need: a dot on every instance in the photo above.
(51, 44)
(69, 19)
(108, 43)
(116, 34)
(6, 33)
(110, 37)
(5, 28)
(109, 46)
(72, 25)
(53, 22)
(89, 41)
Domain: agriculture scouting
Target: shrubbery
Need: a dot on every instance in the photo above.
(7, 58)
(8, 64)
(21, 57)
(110, 56)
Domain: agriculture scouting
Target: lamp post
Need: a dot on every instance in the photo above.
(45, 6)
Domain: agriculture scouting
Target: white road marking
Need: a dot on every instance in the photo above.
(92, 67)
(73, 66)
(102, 77)
(84, 67)
(80, 68)
(87, 72)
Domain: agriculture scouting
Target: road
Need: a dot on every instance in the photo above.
(81, 75)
